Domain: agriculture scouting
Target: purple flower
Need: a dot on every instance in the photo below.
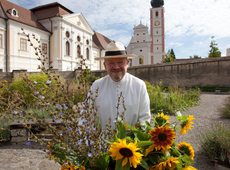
(61, 114)
(15, 112)
(48, 82)
(79, 142)
(60, 134)
(90, 155)
(41, 96)
(37, 104)
(58, 105)
(22, 114)
(48, 104)
(87, 130)
(54, 117)
(28, 143)
(78, 131)
(36, 93)
(48, 152)
(35, 82)
(65, 163)
(68, 150)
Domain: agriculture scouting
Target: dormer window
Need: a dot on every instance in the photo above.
(13, 12)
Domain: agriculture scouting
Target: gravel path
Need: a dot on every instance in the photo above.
(21, 157)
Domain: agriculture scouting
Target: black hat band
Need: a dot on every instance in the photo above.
(112, 53)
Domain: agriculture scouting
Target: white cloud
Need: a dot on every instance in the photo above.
(187, 21)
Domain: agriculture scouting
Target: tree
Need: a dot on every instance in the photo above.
(173, 54)
(169, 57)
(195, 56)
(214, 51)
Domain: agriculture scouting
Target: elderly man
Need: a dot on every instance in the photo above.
(133, 89)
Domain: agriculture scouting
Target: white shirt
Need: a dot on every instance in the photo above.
(136, 99)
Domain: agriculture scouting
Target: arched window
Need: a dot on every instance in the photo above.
(78, 38)
(141, 60)
(78, 51)
(87, 53)
(156, 13)
(67, 46)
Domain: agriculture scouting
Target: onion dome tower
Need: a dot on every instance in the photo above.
(157, 3)
(157, 31)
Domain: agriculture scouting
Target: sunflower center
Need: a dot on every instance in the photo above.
(126, 152)
(162, 137)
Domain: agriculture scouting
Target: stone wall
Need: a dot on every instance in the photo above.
(211, 72)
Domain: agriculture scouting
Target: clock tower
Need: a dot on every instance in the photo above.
(157, 31)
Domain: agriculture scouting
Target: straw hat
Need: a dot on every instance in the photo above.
(115, 50)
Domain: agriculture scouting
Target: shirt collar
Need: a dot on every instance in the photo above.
(121, 81)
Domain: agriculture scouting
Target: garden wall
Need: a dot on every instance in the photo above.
(211, 72)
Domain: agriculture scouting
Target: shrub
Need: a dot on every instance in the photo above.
(225, 112)
(26, 84)
(215, 143)
(175, 99)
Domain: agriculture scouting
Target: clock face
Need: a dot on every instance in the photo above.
(157, 23)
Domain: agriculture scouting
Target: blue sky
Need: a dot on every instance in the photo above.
(189, 24)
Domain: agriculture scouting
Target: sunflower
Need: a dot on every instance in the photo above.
(162, 137)
(189, 168)
(185, 125)
(128, 152)
(170, 164)
(162, 119)
(186, 148)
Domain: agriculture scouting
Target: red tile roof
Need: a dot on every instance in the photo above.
(25, 16)
(50, 10)
(100, 40)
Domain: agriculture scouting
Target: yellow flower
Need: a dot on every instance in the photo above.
(187, 149)
(185, 125)
(164, 117)
(162, 137)
(5, 81)
(128, 152)
(169, 164)
(189, 168)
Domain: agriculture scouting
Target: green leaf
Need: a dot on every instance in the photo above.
(144, 164)
(175, 152)
(182, 118)
(142, 136)
(121, 130)
(103, 161)
(187, 159)
(120, 167)
(153, 158)
(144, 143)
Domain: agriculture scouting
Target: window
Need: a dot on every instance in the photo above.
(78, 38)
(44, 48)
(143, 33)
(87, 42)
(23, 44)
(137, 34)
(67, 46)
(0, 40)
(140, 50)
(87, 53)
(67, 34)
(141, 60)
(157, 32)
(156, 13)
(78, 51)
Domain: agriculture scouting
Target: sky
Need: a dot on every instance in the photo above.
(189, 24)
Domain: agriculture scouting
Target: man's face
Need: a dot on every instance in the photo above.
(116, 67)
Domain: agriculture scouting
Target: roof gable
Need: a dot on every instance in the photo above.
(79, 20)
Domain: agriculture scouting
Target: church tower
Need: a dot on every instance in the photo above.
(157, 31)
